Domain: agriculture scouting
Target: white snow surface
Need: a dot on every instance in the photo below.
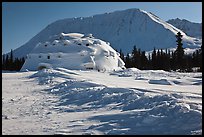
(74, 51)
(125, 102)
(123, 29)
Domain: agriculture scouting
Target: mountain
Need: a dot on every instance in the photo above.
(123, 29)
(190, 28)
(83, 51)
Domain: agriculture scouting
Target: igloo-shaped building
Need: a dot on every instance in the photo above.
(74, 51)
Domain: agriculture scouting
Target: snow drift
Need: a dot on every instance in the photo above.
(125, 102)
(140, 113)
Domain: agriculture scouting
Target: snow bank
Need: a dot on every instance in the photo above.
(160, 81)
(139, 114)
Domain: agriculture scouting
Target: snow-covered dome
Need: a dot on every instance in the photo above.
(74, 51)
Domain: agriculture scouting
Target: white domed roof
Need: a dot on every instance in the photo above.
(74, 51)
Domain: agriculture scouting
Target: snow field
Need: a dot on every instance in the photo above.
(127, 102)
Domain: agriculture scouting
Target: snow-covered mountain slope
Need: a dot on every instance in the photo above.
(74, 51)
(125, 102)
(190, 28)
(123, 29)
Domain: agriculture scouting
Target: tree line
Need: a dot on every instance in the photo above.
(9, 63)
(164, 59)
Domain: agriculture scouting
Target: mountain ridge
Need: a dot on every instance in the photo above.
(192, 29)
(122, 28)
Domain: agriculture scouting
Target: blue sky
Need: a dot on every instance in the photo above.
(23, 20)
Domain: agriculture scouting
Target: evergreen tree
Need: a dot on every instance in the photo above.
(167, 60)
(122, 55)
(154, 59)
(134, 57)
(179, 53)
(127, 61)
(149, 61)
(188, 63)
(173, 61)
(162, 59)
(3, 62)
(7, 62)
(158, 60)
(144, 61)
(11, 56)
(138, 59)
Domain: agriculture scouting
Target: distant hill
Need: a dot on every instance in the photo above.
(190, 28)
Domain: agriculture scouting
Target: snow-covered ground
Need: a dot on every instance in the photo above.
(130, 101)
